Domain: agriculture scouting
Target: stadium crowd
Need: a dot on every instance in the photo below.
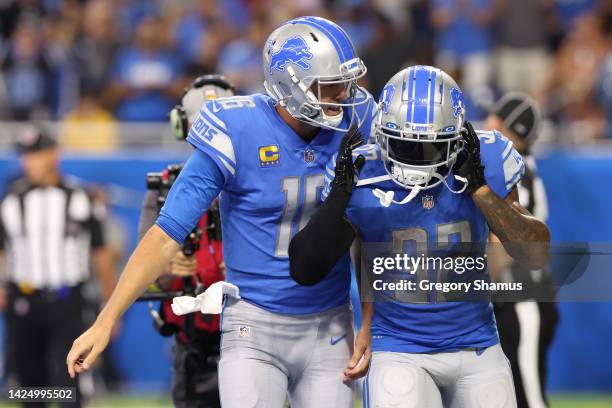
(109, 60)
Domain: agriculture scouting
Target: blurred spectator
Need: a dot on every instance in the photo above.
(146, 76)
(570, 92)
(27, 75)
(523, 58)
(200, 34)
(129, 13)
(12, 12)
(358, 21)
(463, 40)
(464, 45)
(389, 51)
(89, 126)
(241, 59)
(97, 44)
(604, 89)
(569, 10)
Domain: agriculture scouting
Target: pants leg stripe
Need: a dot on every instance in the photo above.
(528, 316)
(366, 392)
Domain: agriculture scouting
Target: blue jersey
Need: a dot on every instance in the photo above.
(437, 217)
(270, 182)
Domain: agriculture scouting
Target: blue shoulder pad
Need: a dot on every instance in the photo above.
(503, 165)
(209, 133)
(214, 130)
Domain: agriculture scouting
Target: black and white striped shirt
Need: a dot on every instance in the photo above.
(47, 234)
(532, 196)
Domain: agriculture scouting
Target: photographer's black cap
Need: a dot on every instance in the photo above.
(519, 114)
(34, 139)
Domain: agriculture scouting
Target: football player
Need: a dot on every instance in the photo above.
(431, 181)
(266, 155)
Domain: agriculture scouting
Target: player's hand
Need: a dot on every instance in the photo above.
(182, 266)
(471, 167)
(86, 349)
(346, 169)
(360, 361)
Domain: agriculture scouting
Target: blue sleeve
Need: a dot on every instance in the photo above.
(503, 165)
(197, 185)
(209, 133)
(330, 173)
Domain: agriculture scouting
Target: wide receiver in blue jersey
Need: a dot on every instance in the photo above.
(266, 156)
(429, 182)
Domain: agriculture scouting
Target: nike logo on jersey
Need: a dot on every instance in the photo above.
(335, 341)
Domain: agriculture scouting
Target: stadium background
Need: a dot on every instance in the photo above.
(103, 74)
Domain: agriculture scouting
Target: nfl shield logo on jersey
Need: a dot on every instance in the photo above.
(244, 331)
(428, 202)
(309, 155)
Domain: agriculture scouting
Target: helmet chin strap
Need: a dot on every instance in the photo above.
(386, 197)
(335, 120)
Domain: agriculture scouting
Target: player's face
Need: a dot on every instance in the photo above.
(39, 166)
(332, 93)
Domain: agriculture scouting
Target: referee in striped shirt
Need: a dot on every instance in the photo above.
(50, 234)
(527, 327)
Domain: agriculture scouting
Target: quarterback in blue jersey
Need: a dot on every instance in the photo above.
(430, 182)
(266, 156)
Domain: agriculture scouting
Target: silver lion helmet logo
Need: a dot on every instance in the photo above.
(294, 50)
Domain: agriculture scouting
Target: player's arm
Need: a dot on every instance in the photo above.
(524, 237)
(498, 259)
(360, 361)
(197, 185)
(315, 249)
(180, 265)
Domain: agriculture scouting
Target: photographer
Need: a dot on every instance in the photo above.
(196, 267)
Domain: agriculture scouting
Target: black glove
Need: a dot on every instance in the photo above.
(470, 167)
(345, 168)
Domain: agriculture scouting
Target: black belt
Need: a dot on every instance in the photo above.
(26, 290)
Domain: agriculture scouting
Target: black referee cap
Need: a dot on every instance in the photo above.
(520, 114)
(34, 139)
